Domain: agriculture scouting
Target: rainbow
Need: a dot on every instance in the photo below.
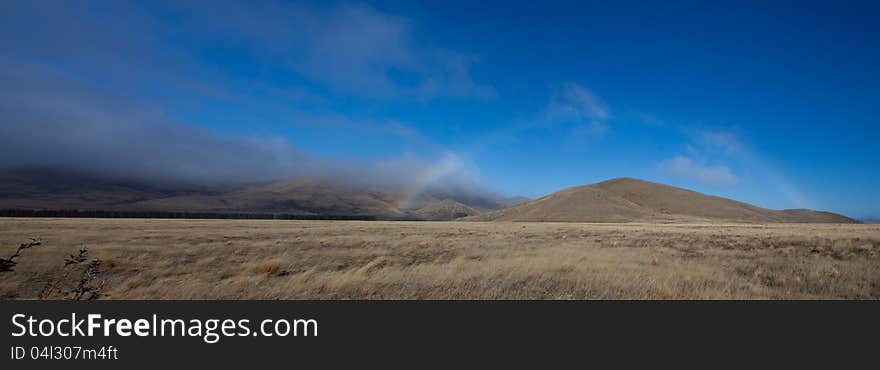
(449, 164)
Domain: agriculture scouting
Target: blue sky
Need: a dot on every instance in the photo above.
(768, 103)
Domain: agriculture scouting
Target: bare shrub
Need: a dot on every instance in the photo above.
(72, 283)
(8, 264)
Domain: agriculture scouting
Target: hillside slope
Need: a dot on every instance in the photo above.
(446, 209)
(632, 200)
(300, 197)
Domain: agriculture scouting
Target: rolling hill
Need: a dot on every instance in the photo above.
(632, 200)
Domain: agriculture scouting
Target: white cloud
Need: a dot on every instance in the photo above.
(688, 168)
(352, 48)
(585, 102)
(581, 109)
(337, 47)
(359, 50)
(724, 140)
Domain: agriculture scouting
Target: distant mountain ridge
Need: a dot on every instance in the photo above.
(615, 200)
(36, 189)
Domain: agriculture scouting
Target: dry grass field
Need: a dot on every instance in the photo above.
(263, 259)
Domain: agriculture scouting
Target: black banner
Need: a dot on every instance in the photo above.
(413, 334)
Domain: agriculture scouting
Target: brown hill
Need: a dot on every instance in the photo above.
(632, 200)
(35, 188)
(40, 189)
(298, 197)
(446, 209)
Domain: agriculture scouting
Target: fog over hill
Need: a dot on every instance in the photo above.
(45, 189)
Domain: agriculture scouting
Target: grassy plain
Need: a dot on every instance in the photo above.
(266, 259)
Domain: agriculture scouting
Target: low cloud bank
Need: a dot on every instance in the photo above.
(50, 120)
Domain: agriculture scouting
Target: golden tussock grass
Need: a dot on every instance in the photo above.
(263, 259)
